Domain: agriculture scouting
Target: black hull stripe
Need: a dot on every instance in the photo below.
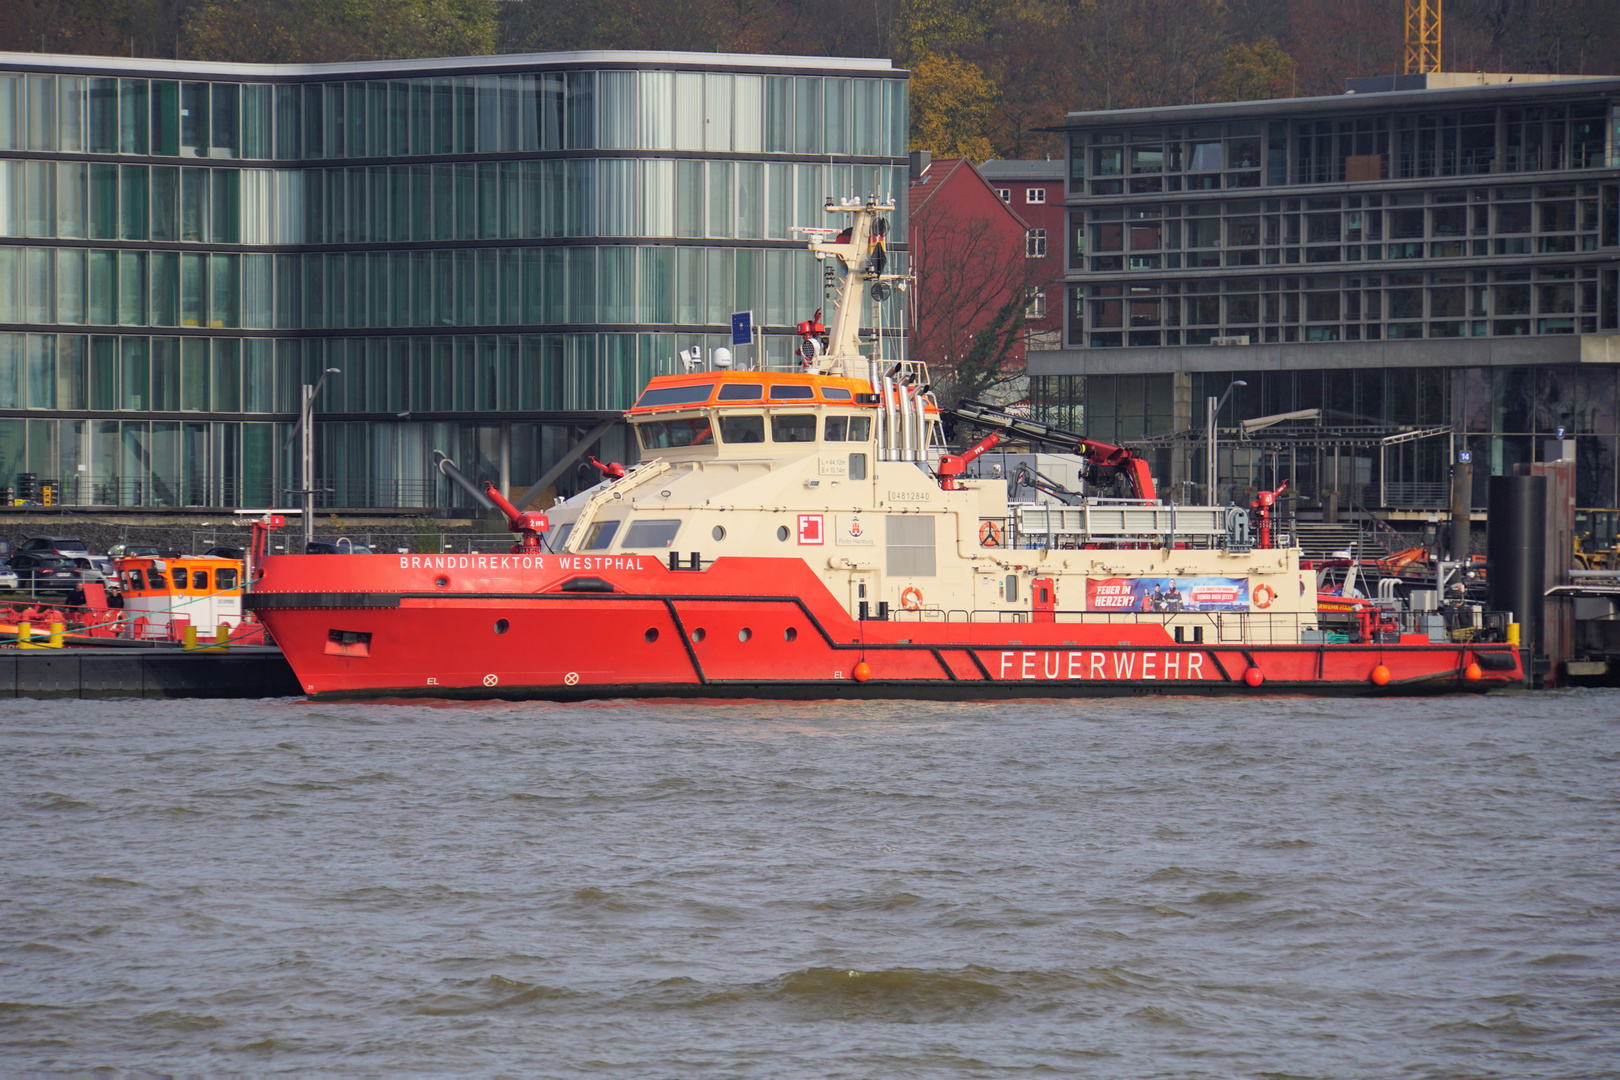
(390, 601)
(940, 690)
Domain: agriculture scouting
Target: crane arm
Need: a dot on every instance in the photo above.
(1125, 460)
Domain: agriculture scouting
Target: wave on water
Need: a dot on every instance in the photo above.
(891, 995)
(489, 995)
(176, 1020)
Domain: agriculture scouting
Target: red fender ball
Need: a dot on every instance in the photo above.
(1380, 675)
(1472, 672)
(862, 672)
(1253, 677)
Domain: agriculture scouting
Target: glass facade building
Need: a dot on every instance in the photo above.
(496, 252)
(1420, 258)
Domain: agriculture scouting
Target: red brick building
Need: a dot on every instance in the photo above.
(1034, 191)
(968, 250)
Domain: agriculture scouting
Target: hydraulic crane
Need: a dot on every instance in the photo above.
(1002, 424)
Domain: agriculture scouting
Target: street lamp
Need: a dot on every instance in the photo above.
(305, 426)
(1214, 411)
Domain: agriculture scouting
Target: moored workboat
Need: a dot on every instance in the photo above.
(809, 534)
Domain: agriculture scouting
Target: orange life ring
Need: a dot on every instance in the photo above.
(1264, 595)
(911, 599)
(989, 534)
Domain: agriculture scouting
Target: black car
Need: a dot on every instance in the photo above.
(338, 547)
(92, 567)
(225, 551)
(38, 572)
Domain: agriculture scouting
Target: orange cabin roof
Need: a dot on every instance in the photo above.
(753, 388)
(171, 572)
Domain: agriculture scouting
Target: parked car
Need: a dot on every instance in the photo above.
(8, 578)
(93, 568)
(123, 550)
(340, 546)
(45, 572)
(225, 551)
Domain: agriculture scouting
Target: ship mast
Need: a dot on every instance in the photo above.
(900, 390)
(860, 250)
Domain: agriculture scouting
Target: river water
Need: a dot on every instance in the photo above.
(1174, 887)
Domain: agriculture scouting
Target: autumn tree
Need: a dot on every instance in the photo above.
(1253, 72)
(951, 108)
(324, 31)
(142, 28)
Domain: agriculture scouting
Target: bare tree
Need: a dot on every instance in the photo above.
(973, 285)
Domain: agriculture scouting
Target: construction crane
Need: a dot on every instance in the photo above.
(1422, 36)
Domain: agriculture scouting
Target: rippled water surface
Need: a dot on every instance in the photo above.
(1151, 888)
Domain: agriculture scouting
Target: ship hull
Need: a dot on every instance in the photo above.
(762, 631)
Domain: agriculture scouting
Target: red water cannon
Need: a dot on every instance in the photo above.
(812, 340)
(813, 327)
(528, 524)
(951, 466)
(1263, 503)
(612, 470)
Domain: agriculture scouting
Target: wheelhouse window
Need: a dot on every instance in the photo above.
(793, 428)
(600, 538)
(835, 393)
(134, 579)
(684, 431)
(225, 578)
(793, 393)
(651, 533)
(675, 395)
(742, 429)
(741, 392)
(848, 428)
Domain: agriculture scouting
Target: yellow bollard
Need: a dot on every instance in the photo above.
(25, 636)
(57, 630)
(1513, 633)
(219, 644)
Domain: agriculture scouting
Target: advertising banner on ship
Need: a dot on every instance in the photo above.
(1167, 594)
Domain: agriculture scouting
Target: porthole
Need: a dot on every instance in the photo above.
(699, 634)
(719, 532)
(651, 635)
(782, 533)
(791, 634)
(441, 581)
(502, 626)
(744, 634)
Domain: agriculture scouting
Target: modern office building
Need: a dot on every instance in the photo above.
(494, 252)
(1439, 259)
